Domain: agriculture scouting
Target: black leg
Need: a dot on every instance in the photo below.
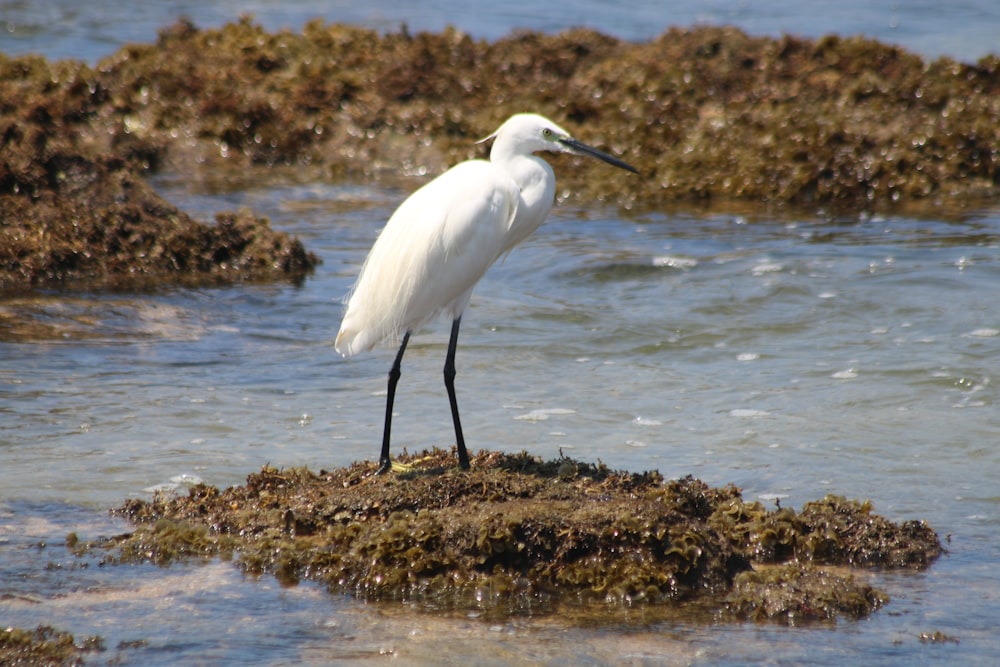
(449, 383)
(384, 462)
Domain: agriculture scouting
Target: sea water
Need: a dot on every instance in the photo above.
(791, 356)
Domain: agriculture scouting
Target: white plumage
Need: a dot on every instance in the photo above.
(432, 252)
(443, 238)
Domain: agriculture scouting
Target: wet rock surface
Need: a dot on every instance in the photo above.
(518, 535)
(45, 645)
(707, 114)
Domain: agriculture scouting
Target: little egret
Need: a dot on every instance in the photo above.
(443, 238)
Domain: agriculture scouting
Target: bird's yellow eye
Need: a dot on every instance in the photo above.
(547, 133)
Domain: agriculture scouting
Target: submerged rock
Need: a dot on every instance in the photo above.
(44, 646)
(707, 114)
(516, 534)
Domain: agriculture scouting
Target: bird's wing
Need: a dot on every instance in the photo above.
(431, 253)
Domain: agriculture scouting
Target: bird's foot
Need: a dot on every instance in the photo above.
(398, 467)
(394, 466)
(405, 468)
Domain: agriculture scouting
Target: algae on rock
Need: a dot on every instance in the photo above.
(708, 115)
(516, 534)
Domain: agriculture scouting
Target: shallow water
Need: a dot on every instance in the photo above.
(792, 357)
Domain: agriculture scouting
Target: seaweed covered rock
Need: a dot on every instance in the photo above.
(793, 593)
(832, 531)
(516, 534)
(707, 114)
(44, 646)
(76, 205)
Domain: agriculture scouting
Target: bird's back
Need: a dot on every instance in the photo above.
(431, 253)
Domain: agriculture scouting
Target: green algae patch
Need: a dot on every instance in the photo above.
(793, 592)
(711, 116)
(44, 645)
(518, 535)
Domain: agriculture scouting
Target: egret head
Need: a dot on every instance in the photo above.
(526, 133)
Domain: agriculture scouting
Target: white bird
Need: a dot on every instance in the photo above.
(443, 238)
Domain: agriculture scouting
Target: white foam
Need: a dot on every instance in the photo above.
(766, 267)
(746, 413)
(675, 262)
(543, 414)
(186, 479)
(643, 421)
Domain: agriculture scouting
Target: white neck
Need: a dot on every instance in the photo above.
(537, 183)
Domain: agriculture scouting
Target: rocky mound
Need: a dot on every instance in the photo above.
(708, 115)
(517, 535)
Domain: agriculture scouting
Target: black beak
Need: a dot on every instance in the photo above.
(581, 148)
